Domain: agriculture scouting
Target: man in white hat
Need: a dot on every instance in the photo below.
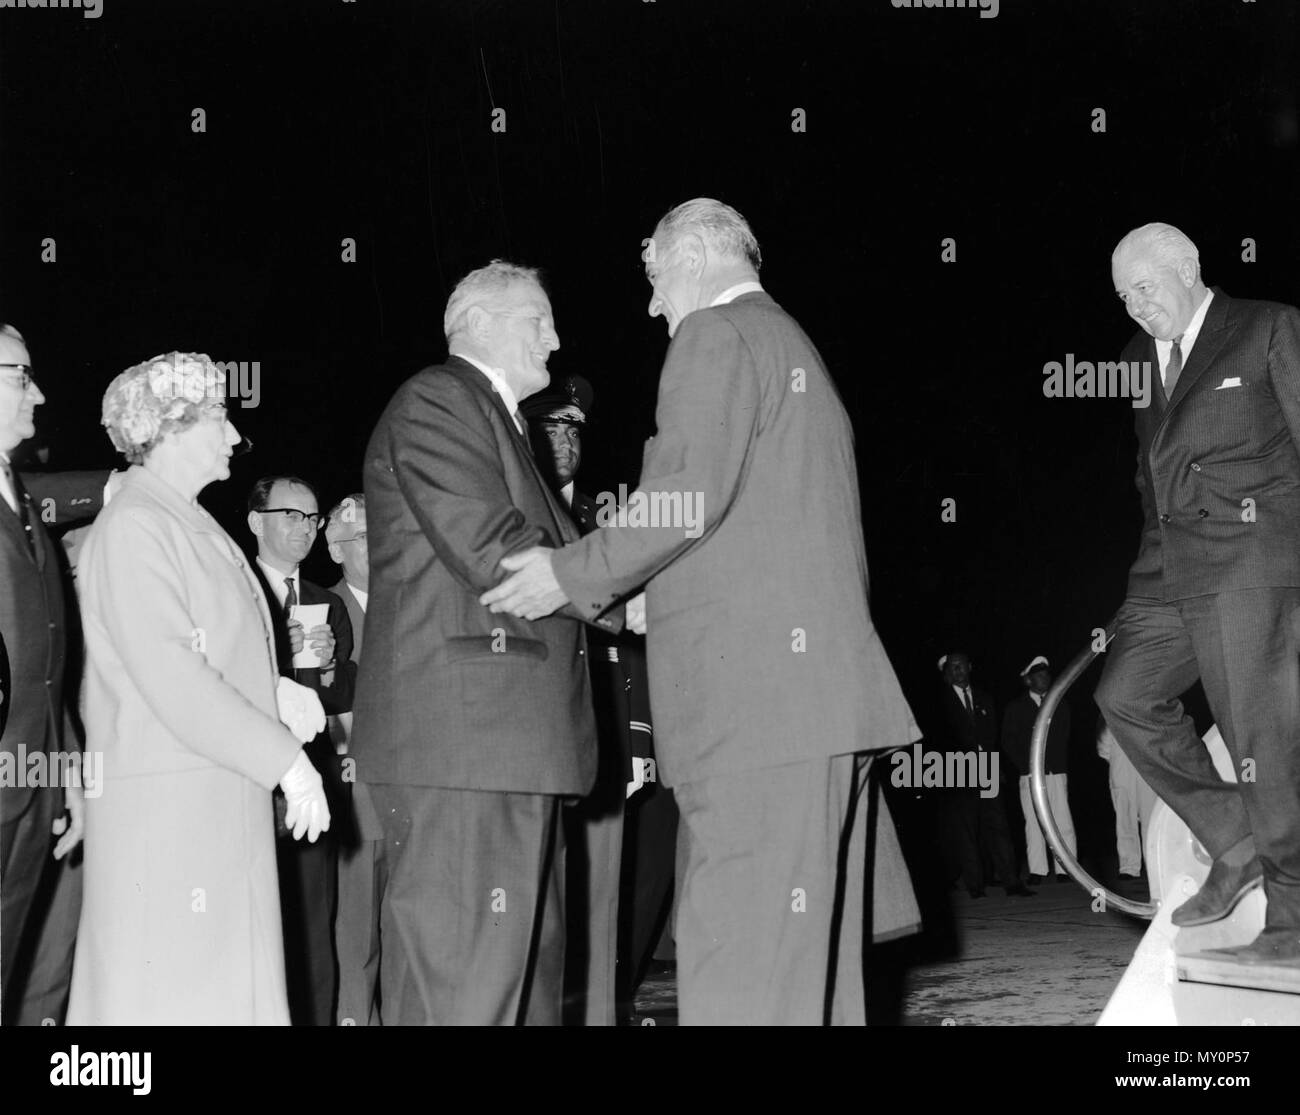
(1017, 733)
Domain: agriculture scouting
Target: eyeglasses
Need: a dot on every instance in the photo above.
(25, 375)
(311, 518)
(361, 537)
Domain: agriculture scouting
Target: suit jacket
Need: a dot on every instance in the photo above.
(1219, 465)
(760, 642)
(969, 731)
(356, 614)
(449, 694)
(32, 615)
(1018, 730)
(334, 687)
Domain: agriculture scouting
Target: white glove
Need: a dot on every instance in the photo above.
(300, 710)
(636, 614)
(304, 797)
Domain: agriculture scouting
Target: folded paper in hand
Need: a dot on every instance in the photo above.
(309, 615)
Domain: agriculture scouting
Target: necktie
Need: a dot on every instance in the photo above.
(965, 694)
(522, 427)
(290, 597)
(1174, 367)
(20, 499)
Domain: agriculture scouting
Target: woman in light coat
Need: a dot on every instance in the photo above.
(180, 919)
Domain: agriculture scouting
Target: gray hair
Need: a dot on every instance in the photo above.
(1167, 245)
(721, 227)
(345, 511)
(486, 284)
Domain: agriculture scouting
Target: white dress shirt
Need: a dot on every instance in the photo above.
(361, 594)
(6, 490)
(734, 292)
(275, 579)
(499, 385)
(1165, 348)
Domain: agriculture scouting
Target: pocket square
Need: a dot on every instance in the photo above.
(1231, 381)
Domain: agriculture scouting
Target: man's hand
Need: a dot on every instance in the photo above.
(295, 636)
(321, 640)
(636, 614)
(71, 829)
(532, 591)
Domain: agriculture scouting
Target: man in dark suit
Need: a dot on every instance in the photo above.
(594, 827)
(1215, 591)
(976, 823)
(469, 728)
(35, 949)
(768, 682)
(362, 865)
(283, 516)
(1017, 735)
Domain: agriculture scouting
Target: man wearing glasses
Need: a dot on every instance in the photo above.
(39, 893)
(284, 517)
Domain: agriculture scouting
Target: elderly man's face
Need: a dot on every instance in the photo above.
(521, 337)
(674, 292)
(565, 440)
(1155, 295)
(350, 550)
(17, 405)
(282, 539)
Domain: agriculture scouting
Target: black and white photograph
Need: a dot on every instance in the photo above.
(650, 513)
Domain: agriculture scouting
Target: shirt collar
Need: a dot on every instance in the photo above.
(498, 382)
(361, 594)
(566, 493)
(1037, 698)
(734, 292)
(276, 580)
(1189, 334)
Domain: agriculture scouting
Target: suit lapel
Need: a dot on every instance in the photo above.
(1214, 334)
(563, 522)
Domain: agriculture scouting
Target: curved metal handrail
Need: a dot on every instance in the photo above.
(1038, 786)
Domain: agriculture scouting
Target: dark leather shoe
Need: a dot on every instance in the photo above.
(1223, 888)
(1272, 946)
(1037, 880)
(1020, 891)
(976, 892)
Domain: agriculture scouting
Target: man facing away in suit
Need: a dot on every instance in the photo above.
(470, 729)
(1215, 591)
(362, 867)
(39, 894)
(768, 682)
(284, 518)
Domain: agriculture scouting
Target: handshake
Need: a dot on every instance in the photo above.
(532, 592)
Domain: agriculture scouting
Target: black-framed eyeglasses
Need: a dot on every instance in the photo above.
(26, 377)
(313, 519)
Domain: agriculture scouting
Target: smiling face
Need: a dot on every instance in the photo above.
(519, 336)
(281, 542)
(17, 404)
(1160, 298)
(674, 281)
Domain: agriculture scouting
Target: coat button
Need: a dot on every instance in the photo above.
(1196, 467)
(1164, 518)
(1203, 513)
